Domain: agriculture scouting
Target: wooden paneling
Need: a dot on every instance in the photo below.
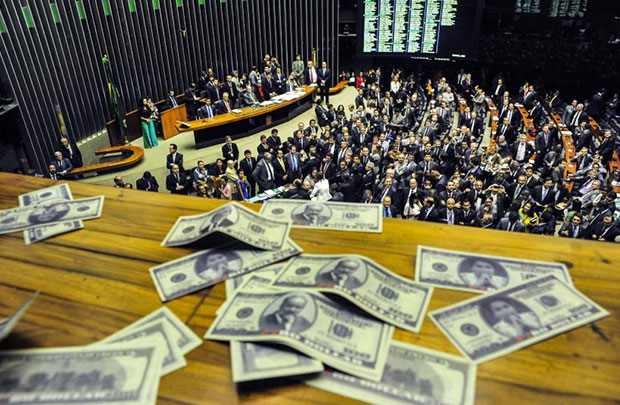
(95, 281)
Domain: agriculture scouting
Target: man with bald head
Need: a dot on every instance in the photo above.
(343, 275)
(288, 317)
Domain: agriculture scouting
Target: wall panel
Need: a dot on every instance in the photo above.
(59, 62)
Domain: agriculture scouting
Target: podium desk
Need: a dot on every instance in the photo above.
(95, 281)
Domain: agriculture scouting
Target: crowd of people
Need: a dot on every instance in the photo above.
(406, 144)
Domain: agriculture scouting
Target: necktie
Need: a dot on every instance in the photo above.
(227, 106)
(575, 232)
(177, 177)
(294, 163)
(282, 164)
(269, 173)
(544, 193)
(450, 217)
(209, 112)
(504, 127)
(325, 166)
(250, 163)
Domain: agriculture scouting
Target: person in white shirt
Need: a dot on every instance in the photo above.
(320, 192)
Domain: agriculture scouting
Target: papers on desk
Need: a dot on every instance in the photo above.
(291, 95)
(270, 193)
(314, 85)
(236, 111)
(266, 103)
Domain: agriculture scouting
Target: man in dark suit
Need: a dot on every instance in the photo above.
(529, 97)
(176, 182)
(51, 172)
(605, 230)
(499, 90)
(475, 125)
(192, 101)
(449, 214)
(231, 88)
(507, 130)
(597, 105)
(545, 142)
(511, 224)
(578, 116)
(264, 173)
(573, 229)
(311, 75)
(225, 105)
(343, 275)
(513, 115)
(328, 168)
(248, 98)
(269, 86)
(468, 216)
(230, 151)
(70, 151)
(63, 165)
(522, 151)
(280, 169)
(293, 164)
(171, 100)
(325, 76)
(274, 141)
(174, 158)
(429, 212)
(543, 194)
(280, 81)
(147, 182)
(287, 318)
(247, 164)
(606, 148)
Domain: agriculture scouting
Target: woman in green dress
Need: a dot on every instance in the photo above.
(148, 127)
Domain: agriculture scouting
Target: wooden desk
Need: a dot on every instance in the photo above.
(211, 131)
(569, 146)
(339, 87)
(527, 122)
(614, 163)
(95, 281)
(131, 156)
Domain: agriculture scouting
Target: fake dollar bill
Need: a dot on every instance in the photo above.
(314, 325)
(479, 273)
(172, 356)
(49, 213)
(493, 325)
(184, 337)
(233, 220)
(125, 374)
(375, 289)
(412, 375)
(60, 192)
(328, 215)
(206, 268)
(256, 361)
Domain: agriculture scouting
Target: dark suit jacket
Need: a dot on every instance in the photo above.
(246, 100)
(280, 172)
(247, 169)
(529, 151)
(429, 214)
(581, 233)
(148, 185)
(324, 76)
(231, 89)
(66, 166)
(260, 176)
(171, 184)
(504, 223)
(228, 154)
(170, 102)
(537, 196)
(220, 107)
(76, 158)
(178, 160)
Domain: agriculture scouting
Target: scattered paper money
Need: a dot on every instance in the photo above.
(314, 325)
(125, 374)
(184, 337)
(490, 326)
(375, 289)
(60, 192)
(172, 356)
(255, 361)
(20, 219)
(209, 267)
(329, 215)
(479, 273)
(7, 324)
(233, 220)
(412, 375)
(266, 273)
